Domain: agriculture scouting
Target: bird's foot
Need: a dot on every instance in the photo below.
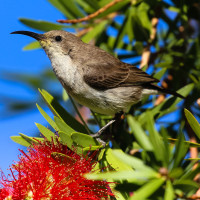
(118, 116)
(103, 143)
(97, 134)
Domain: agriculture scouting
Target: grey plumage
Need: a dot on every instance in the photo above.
(93, 77)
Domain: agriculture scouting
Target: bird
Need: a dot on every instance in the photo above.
(93, 77)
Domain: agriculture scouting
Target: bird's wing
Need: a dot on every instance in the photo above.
(104, 75)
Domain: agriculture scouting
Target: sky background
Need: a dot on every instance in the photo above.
(14, 59)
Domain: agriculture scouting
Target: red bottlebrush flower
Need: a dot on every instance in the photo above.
(39, 174)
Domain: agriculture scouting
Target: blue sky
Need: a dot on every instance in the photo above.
(14, 59)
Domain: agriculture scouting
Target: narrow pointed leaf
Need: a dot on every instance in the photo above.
(61, 7)
(132, 161)
(84, 140)
(45, 132)
(156, 141)
(62, 158)
(65, 95)
(20, 140)
(31, 140)
(93, 3)
(169, 191)
(96, 30)
(46, 116)
(139, 134)
(60, 112)
(32, 46)
(191, 144)
(71, 7)
(65, 139)
(180, 150)
(148, 189)
(92, 148)
(41, 25)
(62, 126)
(193, 122)
(114, 162)
(128, 175)
(117, 7)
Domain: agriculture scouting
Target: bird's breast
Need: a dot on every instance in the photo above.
(66, 71)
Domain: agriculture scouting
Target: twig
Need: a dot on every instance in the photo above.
(82, 32)
(164, 84)
(146, 52)
(78, 113)
(198, 101)
(91, 16)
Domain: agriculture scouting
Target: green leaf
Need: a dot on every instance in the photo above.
(114, 162)
(65, 139)
(62, 158)
(139, 134)
(65, 95)
(169, 191)
(96, 30)
(32, 46)
(85, 5)
(192, 159)
(62, 126)
(41, 25)
(188, 186)
(61, 113)
(132, 161)
(46, 116)
(45, 132)
(129, 175)
(62, 8)
(148, 189)
(193, 122)
(93, 4)
(142, 14)
(31, 140)
(156, 141)
(191, 173)
(122, 31)
(71, 7)
(84, 140)
(180, 150)
(101, 154)
(191, 144)
(160, 74)
(91, 148)
(117, 7)
(20, 140)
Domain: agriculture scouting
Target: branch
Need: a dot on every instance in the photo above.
(91, 16)
(164, 84)
(146, 53)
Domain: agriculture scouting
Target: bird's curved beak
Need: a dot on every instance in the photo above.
(31, 34)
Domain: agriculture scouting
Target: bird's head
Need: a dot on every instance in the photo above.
(55, 41)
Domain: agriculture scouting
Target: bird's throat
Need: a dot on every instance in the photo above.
(66, 71)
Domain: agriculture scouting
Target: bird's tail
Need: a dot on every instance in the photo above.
(163, 90)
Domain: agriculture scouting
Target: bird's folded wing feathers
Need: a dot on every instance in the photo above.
(109, 75)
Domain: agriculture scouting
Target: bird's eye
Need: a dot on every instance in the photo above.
(58, 38)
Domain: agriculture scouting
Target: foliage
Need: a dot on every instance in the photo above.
(147, 161)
